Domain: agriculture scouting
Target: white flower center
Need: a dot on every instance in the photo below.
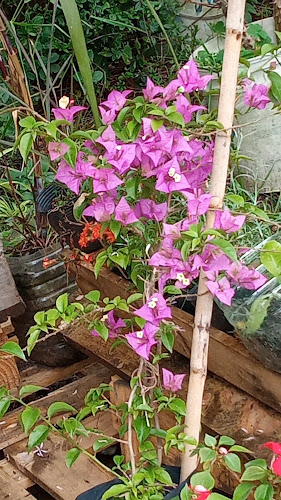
(152, 303)
(180, 277)
(177, 177)
(64, 102)
(139, 334)
(118, 148)
(172, 172)
(186, 281)
(186, 66)
(180, 90)
(144, 137)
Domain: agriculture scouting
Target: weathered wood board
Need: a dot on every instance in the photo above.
(228, 358)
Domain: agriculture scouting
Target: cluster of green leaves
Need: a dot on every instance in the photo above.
(127, 40)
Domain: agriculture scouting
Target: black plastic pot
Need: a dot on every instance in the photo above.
(97, 492)
(39, 289)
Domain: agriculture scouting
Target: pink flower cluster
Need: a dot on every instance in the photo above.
(172, 162)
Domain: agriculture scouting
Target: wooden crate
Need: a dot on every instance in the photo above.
(242, 398)
(20, 471)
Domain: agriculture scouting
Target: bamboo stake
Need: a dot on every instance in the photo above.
(204, 305)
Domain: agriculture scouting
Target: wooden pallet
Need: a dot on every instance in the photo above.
(22, 472)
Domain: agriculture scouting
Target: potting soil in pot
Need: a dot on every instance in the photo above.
(256, 315)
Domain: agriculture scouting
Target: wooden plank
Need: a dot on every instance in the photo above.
(10, 490)
(51, 472)
(73, 393)
(228, 358)
(21, 479)
(9, 374)
(45, 376)
(226, 409)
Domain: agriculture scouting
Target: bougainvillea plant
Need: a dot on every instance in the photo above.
(141, 182)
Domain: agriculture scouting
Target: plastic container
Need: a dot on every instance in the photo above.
(40, 288)
(255, 315)
(260, 138)
(202, 19)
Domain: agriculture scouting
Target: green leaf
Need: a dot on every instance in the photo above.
(39, 317)
(210, 441)
(177, 405)
(226, 247)
(27, 122)
(62, 302)
(242, 491)
(271, 257)
(71, 457)
(93, 296)
(59, 407)
(38, 436)
(115, 227)
(172, 290)
(4, 406)
(214, 125)
(26, 390)
(163, 476)
(225, 440)
(100, 327)
(118, 460)
(207, 455)
(25, 145)
(254, 473)
(185, 493)
(236, 199)
(176, 118)
(275, 84)
(74, 24)
(101, 443)
(217, 496)
(233, 462)
(259, 462)
(257, 314)
(52, 316)
(168, 340)
(239, 448)
(100, 260)
(28, 418)
(14, 349)
(156, 124)
(116, 490)
(267, 47)
(204, 479)
(134, 297)
(32, 339)
(141, 428)
(264, 492)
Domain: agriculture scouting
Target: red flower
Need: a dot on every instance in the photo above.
(276, 448)
(92, 232)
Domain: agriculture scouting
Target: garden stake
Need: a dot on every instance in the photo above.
(204, 305)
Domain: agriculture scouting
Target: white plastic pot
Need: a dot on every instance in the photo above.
(202, 20)
(260, 138)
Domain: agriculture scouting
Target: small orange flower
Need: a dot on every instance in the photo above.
(92, 232)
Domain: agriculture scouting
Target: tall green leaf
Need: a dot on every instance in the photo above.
(73, 20)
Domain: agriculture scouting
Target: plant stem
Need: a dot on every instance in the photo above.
(204, 305)
(158, 20)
